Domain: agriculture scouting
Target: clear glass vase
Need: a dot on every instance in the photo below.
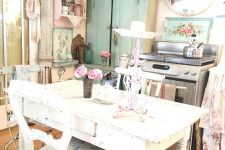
(104, 61)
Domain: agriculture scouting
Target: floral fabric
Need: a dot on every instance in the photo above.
(213, 122)
(214, 101)
(213, 140)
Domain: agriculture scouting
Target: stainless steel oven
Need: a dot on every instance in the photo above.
(190, 74)
(192, 79)
(191, 92)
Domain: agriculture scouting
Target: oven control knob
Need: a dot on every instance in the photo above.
(186, 72)
(193, 73)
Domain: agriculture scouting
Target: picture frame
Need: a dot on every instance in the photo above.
(180, 29)
(61, 44)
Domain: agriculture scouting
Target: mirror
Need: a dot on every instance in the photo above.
(188, 7)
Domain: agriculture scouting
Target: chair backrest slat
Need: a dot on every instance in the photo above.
(141, 80)
(8, 73)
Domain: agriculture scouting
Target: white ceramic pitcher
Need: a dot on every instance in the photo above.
(123, 60)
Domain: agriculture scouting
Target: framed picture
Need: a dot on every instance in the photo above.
(61, 43)
(181, 29)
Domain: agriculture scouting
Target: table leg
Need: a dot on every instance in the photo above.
(183, 143)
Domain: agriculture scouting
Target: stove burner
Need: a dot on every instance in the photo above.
(179, 59)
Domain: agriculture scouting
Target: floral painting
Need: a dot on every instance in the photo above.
(181, 29)
(62, 39)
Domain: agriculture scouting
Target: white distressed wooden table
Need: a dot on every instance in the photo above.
(164, 125)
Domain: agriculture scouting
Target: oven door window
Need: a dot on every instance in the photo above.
(188, 95)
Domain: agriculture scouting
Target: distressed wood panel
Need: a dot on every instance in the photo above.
(45, 51)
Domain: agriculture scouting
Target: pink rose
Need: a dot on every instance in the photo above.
(95, 74)
(80, 71)
(105, 53)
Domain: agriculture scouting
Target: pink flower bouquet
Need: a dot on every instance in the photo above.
(105, 54)
(88, 77)
(82, 72)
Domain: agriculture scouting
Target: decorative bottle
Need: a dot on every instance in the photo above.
(88, 54)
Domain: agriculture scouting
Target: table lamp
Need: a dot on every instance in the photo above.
(131, 79)
(137, 30)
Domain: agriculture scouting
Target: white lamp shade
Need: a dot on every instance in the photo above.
(137, 30)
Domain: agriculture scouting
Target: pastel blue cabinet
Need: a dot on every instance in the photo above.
(102, 16)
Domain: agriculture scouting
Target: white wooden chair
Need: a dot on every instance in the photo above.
(135, 80)
(23, 91)
(18, 72)
(18, 92)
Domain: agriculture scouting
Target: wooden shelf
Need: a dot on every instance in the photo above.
(71, 21)
(64, 63)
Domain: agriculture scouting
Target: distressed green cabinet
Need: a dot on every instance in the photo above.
(104, 15)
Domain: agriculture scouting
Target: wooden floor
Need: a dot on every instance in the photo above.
(5, 138)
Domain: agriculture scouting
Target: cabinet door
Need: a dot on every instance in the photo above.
(123, 13)
(98, 26)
